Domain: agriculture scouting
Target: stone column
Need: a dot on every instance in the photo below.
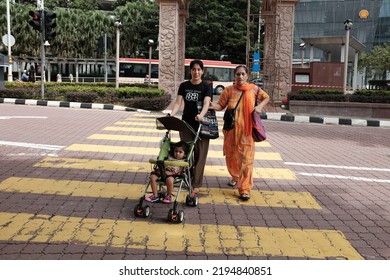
(172, 31)
(279, 30)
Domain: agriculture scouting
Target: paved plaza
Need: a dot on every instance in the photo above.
(70, 178)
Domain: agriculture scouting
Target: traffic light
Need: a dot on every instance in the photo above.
(50, 25)
(36, 20)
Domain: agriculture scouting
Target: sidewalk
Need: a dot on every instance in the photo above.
(271, 112)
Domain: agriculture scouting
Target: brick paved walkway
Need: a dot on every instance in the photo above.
(321, 192)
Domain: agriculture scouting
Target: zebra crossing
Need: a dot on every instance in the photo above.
(141, 140)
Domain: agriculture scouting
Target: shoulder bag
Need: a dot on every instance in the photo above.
(229, 117)
(209, 124)
(258, 129)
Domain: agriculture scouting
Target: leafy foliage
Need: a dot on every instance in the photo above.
(214, 28)
(378, 60)
(364, 96)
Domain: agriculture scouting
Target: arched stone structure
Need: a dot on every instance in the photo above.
(279, 30)
(172, 34)
(278, 18)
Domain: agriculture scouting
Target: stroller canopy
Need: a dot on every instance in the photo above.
(173, 123)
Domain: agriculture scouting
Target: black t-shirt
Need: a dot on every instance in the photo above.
(193, 100)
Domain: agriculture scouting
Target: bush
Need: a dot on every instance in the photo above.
(152, 104)
(83, 97)
(20, 93)
(317, 97)
(363, 96)
(142, 96)
(133, 92)
(380, 84)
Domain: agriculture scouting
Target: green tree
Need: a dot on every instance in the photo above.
(216, 28)
(86, 5)
(378, 60)
(139, 23)
(27, 40)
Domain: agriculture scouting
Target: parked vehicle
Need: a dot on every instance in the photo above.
(257, 82)
(133, 70)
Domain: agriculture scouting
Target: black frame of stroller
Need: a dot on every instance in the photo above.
(192, 199)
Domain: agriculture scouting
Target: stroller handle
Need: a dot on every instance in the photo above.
(170, 162)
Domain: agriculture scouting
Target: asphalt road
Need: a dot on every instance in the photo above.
(70, 178)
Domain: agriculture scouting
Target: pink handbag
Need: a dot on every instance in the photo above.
(258, 130)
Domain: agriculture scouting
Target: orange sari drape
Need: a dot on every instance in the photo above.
(239, 147)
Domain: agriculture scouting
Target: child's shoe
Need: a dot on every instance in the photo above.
(167, 199)
(152, 198)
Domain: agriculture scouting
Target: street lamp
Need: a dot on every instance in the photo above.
(348, 27)
(302, 47)
(117, 24)
(9, 76)
(150, 43)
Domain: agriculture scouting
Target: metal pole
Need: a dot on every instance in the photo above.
(348, 26)
(346, 61)
(43, 78)
(105, 58)
(117, 24)
(9, 42)
(150, 64)
(248, 33)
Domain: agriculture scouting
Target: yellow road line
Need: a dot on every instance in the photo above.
(134, 138)
(140, 128)
(134, 166)
(154, 151)
(133, 129)
(146, 116)
(136, 123)
(209, 239)
(215, 196)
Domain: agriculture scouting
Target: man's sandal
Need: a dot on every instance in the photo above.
(232, 183)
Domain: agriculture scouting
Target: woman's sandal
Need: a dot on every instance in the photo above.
(232, 183)
(245, 196)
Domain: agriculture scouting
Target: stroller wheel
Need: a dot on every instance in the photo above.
(138, 210)
(195, 200)
(171, 215)
(146, 211)
(174, 216)
(192, 201)
(180, 216)
(188, 200)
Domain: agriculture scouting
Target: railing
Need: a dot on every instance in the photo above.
(82, 79)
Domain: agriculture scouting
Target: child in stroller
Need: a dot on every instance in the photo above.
(180, 182)
(179, 153)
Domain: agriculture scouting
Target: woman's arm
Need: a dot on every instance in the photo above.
(206, 104)
(264, 100)
(222, 102)
(260, 107)
(216, 107)
(177, 105)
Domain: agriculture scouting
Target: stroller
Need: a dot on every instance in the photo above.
(183, 180)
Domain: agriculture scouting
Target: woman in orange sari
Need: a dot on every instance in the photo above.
(239, 147)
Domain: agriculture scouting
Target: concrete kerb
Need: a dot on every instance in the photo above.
(67, 104)
(287, 117)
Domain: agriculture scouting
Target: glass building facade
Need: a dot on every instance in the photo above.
(321, 18)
